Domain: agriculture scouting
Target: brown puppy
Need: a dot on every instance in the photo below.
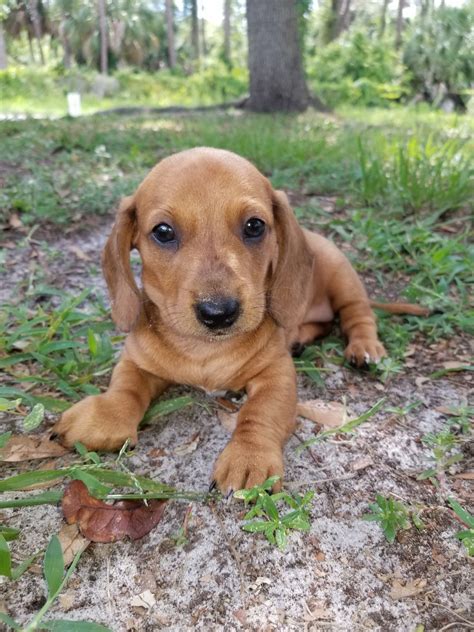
(230, 284)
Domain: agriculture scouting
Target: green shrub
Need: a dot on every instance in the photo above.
(358, 69)
(438, 50)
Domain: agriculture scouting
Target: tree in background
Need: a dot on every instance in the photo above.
(226, 55)
(170, 33)
(277, 80)
(104, 65)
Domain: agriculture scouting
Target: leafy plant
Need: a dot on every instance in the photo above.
(391, 514)
(274, 525)
(442, 444)
(466, 536)
(346, 428)
(56, 579)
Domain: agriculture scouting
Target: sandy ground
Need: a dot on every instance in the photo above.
(342, 575)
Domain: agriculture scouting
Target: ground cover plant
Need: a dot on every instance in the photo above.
(393, 189)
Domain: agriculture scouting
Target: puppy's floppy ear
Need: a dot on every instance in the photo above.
(123, 291)
(292, 275)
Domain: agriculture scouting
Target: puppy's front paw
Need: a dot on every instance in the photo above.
(99, 422)
(364, 351)
(240, 466)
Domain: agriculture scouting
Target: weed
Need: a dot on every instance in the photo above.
(466, 536)
(392, 516)
(273, 525)
(346, 428)
(443, 444)
(56, 579)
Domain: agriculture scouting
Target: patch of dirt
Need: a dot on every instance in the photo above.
(339, 576)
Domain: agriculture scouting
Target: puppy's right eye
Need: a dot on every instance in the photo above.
(163, 233)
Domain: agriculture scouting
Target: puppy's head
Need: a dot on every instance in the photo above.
(219, 247)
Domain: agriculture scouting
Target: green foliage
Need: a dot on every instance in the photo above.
(346, 428)
(438, 50)
(43, 90)
(416, 174)
(273, 524)
(57, 339)
(391, 514)
(466, 536)
(358, 69)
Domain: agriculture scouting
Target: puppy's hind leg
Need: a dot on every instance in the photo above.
(106, 421)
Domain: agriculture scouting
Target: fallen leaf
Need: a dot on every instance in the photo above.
(410, 589)
(187, 448)
(80, 254)
(446, 410)
(146, 599)
(467, 476)
(419, 381)
(21, 345)
(101, 522)
(66, 600)
(327, 414)
(241, 616)
(72, 542)
(24, 448)
(453, 364)
(15, 221)
(156, 452)
(361, 464)
(228, 420)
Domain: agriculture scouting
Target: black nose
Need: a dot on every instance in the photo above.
(217, 313)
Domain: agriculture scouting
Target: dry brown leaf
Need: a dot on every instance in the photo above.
(72, 542)
(15, 221)
(146, 600)
(453, 364)
(187, 448)
(228, 420)
(241, 616)
(25, 448)
(467, 476)
(327, 414)
(410, 589)
(446, 410)
(80, 254)
(66, 600)
(101, 522)
(420, 380)
(362, 463)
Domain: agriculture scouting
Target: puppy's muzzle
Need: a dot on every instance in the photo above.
(218, 312)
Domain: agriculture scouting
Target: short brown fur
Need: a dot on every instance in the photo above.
(290, 285)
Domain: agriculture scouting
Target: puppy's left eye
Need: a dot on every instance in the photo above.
(253, 228)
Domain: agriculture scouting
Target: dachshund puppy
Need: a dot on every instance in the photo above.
(231, 284)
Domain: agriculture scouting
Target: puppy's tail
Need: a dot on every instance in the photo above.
(402, 308)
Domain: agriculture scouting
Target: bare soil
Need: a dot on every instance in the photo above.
(342, 575)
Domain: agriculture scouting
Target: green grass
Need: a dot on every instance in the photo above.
(402, 179)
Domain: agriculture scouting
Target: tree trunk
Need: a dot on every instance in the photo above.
(194, 30)
(3, 49)
(170, 32)
(104, 66)
(67, 53)
(35, 18)
(383, 18)
(203, 34)
(398, 36)
(277, 81)
(30, 47)
(226, 27)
